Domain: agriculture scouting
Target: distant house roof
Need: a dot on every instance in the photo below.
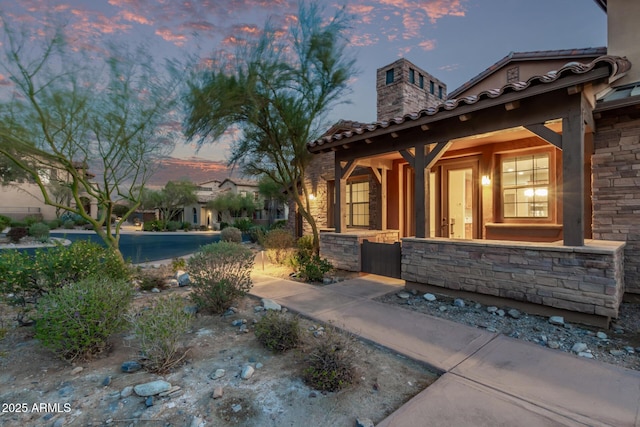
(568, 54)
(617, 67)
(240, 182)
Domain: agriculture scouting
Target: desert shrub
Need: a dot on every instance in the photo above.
(148, 282)
(17, 223)
(39, 231)
(80, 221)
(186, 226)
(278, 332)
(220, 273)
(16, 233)
(178, 264)
(77, 320)
(159, 330)
(243, 224)
(18, 282)
(54, 223)
(280, 224)
(68, 264)
(313, 268)
(5, 221)
(223, 225)
(279, 244)
(231, 234)
(29, 220)
(68, 224)
(305, 246)
(256, 234)
(329, 364)
(173, 225)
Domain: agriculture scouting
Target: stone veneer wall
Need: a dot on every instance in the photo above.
(587, 279)
(616, 192)
(344, 250)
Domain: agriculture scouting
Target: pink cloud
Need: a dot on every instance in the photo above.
(132, 17)
(362, 40)
(170, 36)
(449, 67)
(427, 44)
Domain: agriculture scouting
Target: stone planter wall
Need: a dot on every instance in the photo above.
(344, 250)
(587, 279)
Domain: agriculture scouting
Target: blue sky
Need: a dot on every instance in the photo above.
(452, 39)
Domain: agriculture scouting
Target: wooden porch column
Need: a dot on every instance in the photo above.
(340, 210)
(383, 199)
(421, 185)
(573, 217)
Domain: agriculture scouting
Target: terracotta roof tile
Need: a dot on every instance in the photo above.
(617, 65)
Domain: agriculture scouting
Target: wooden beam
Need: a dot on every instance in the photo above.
(545, 133)
(340, 211)
(437, 152)
(408, 157)
(383, 199)
(348, 169)
(420, 189)
(376, 174)
(573, 157)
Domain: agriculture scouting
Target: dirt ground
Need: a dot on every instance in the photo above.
(52, 392)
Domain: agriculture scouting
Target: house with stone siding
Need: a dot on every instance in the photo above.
(522, 184)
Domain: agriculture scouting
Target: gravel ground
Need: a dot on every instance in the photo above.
(619, 345)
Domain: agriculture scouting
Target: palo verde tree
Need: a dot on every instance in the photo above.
(277, 93)
(233, 205)
(66, 111)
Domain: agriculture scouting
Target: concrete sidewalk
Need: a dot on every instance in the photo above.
(488, 379)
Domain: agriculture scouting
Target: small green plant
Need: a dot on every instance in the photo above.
(69, 224)
(29, 220)
(54, 223)
(186, 226)
(173, 225)
(231, 234)
(159, 330)
(305, 246)
(329, 364)
(278, 332)
(77, 320)
(39, 231)
(313, 268)
(220, 273)
(5, 221)
(148, 282)
(178, 264)
(243, 224)
(17, 233)
(256, 234)
(279, 244)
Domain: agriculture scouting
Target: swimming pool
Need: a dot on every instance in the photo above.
(146, 247)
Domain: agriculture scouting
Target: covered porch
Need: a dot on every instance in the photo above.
(489, 194)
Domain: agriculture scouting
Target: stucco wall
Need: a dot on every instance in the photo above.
(18, 202)
(585, 279)
(616, 192)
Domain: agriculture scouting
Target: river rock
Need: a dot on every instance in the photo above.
(556, 320)
(126, 392)
(429, 297)
(579, 347)
(76, 370)
(184, 280)
(601, 335)
(218, 373)
(458, 302)
(217, 392)
(363, 422)
(151, 388)
(514, 313)
(130, 366)
(247, 372)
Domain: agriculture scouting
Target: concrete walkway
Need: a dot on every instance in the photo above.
(487, 379)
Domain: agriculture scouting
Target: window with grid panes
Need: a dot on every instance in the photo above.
(525, 186)
(358, 204)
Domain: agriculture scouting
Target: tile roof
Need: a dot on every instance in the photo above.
(530, 56)
(617, 66)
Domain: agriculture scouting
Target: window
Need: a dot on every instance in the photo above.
(525, 186)
(421, 80)
(412, 76)
(390, 76)
(432, 87)
(440, 92)
(357, 198)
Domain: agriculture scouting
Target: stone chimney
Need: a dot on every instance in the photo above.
(623, 37)
(403, 88)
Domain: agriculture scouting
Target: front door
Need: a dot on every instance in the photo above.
(460, 201)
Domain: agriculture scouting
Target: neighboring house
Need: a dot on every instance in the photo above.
(23, 198)
(527, 191)
(200, 215)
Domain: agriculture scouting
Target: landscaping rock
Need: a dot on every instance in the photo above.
(76, 370)
(184, 280)
(553, 344)
(617, 353)
(458, 302)
(149, 402)
(247, 372)
(579, 347)
(126, 392)
(190, 309)
(404, 295)
(585, 354)
(155, 290)
(151, 388)
(217, 392)
(236, 408)
(270, 304)
(500, 313)
(218, 373)
(130, 366)
(106, 381)
(556, 320)
(514, 313)
(492, 309)
(601, 335)
(363, 422)
(429, 297)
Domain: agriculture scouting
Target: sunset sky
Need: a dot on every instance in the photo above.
(452, 39)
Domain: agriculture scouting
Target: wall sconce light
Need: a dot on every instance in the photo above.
(486, 181)
(312, 197)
